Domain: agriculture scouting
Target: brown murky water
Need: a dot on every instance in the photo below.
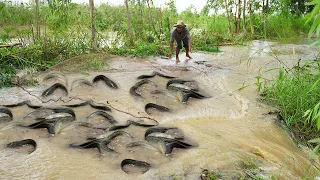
(229, 129)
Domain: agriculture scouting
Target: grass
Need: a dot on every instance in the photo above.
(209, 175)
(40, 56)
(12, 60)
(296, 91)
(177, 178)
(249, 165)
(252, 170)
(140, 49)
(96, 63)
(83, 63)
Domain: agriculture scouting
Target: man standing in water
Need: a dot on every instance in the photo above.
(180, 33)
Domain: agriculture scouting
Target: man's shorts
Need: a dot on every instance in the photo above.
(185, 43)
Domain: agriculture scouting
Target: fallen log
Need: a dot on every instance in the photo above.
(10, 45)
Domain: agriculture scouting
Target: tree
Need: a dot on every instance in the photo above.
(141, 5)
(60, 14)
(266, 18)
(172, 7)
(239, 16)
(213, 4)
(205, 10)
(170, 12)
(93, 26)
(37, 19)
(129, 23)
(265, 12)
(298, 7)
(228, 14)
(250, 14)
(216, 5)
(151, 18)
(244, 16)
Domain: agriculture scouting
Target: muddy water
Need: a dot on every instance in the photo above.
(229, 129)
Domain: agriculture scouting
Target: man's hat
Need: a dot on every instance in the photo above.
(180, 24)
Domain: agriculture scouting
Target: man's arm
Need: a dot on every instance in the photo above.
(190, 40)
(189, 44)
(171, 42)
(171, 49)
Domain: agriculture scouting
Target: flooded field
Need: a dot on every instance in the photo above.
(216, 122)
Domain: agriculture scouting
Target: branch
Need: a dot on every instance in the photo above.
(10, 45)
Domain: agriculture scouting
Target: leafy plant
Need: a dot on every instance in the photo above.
(314, 15)
(317, 147)
(209, 175)
(296, 92)
(313, 115)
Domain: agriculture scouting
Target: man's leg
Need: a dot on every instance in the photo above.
(177, 55)
(186, 46)
(179, 46)
(187, 53)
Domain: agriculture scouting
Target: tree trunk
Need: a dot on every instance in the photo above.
(151, 19)
(32, 32)
(228, 14)
(235, 15)
(251, 24)
(45, 42)
(239, 16)
(37, 19)
(244, 16)
(93, 26)
(263, 15)
(129, 23)
(265, 28)
(140, 28)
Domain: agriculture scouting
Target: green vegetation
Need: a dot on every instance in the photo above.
(13, 59)
(54, 31)
(209, 175)
(38, 56)
(296, 91)
(83, 63)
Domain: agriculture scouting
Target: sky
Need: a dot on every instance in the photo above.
(180, 4)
